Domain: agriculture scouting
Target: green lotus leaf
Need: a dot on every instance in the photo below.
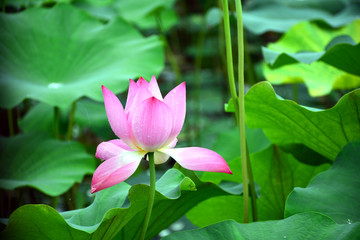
(117, 211)
(300, 226)
(279, 16)
(59, 63)
(334, 193)
(285, 122)
(320, 78)
(40, 118)
(308, 42)
(89, 114)
(49, 165)
(32, 3)
(146, 11)
(274, 171)
(305, 154)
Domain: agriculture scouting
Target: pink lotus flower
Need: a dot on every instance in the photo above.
(149, 123)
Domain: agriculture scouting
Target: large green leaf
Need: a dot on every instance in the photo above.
(32, 3)
(59, 63)
(300, 226)
(24, 224)
(40, 118)
(312, 37)
(111, 213)
(307, 42)
(322, 58)
(277, 173)
(50, 165)
(320, 78)
(274, 171)
(146, 11)
(285, 122)
(89, 114)
(342, 55)
(335, 192)
(92, 115)
(278, 15)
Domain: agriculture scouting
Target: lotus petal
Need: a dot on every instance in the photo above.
(198, 159)
(151, 124)
(112, 148)
(176, 101)
(115, 170)
(133, 88)
(142, 94)
(154, 88)
(117, 117)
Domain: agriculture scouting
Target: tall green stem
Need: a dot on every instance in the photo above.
(229, 59)
(71, 121)
(244, 161)
(221, 42)
(252, 188)
(56, 122)
(151, 195)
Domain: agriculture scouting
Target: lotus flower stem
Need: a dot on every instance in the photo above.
(71, 121)
(229, 58)
(245, 160)
(239, 104)
(11, 124)
(237, 108)
(252, 188)
(151, 194)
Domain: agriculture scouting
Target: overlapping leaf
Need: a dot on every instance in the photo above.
(88, 114)
(50, 165)
(320, 78)
(111, 213)
(322, 58)
(40, 118)
(285, 122)
(277, 15)
(307, 42)
(274, 171)
(335, 192)
(145, 15)
(300, 226)
(32, 3)
(60, 54)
